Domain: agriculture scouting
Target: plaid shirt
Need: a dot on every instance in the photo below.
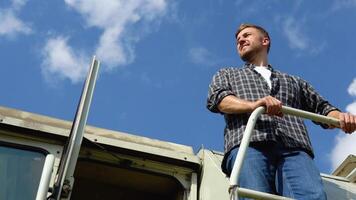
(245, 83)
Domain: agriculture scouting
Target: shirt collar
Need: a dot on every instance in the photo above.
(252, 66)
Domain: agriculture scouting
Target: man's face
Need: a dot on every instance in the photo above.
(249, 42)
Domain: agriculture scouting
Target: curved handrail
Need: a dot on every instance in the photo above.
(234, 178)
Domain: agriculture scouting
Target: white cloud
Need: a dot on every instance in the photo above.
(147, 80)
(10, 24)
(345, 145)
(340, 4)
(352, 88)
(351, 108)
(18, 4)
(293, 31)
(122, 22)
(60, 60)
(201, 56)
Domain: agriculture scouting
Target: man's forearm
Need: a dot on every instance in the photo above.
(334, 114)
(233, 105)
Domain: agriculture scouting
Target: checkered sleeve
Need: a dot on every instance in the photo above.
(218, 89)
(314, 102)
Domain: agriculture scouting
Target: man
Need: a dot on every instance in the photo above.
(279, 159)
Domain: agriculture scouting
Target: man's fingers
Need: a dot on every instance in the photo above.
(342, 121)
(347, 122)
(350, 123)
(269, 105)
(353, 123)
(274, 106)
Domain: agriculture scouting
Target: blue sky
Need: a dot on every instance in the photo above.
(158, 57)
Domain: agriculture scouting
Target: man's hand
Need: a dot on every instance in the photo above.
(347, 121)
(273, 105)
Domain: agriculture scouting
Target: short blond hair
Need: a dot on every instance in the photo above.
(262, 30)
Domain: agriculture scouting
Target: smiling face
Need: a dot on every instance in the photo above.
(251, 43)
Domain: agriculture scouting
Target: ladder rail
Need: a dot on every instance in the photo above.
(234, 178)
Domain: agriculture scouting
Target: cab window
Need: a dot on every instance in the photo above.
(20, 172)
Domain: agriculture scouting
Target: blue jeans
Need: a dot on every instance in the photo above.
(270, 168)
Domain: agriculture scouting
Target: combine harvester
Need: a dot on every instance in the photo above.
(46, 158)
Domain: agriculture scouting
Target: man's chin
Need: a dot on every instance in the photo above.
(247, 56)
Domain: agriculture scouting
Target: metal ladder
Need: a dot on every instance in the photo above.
(235, 190)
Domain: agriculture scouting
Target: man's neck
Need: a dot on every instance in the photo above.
(259, 60)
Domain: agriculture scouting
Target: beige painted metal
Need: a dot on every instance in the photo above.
(57, 127)
(46, 132)
(347, 169)
(213, 182)
(337, 189)
(155, 150)
(193, 191)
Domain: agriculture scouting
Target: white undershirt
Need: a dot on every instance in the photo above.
(265, 73)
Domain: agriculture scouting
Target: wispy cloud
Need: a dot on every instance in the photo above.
(345, 144)
(292, 22)
(296, 38)
(60, 61)
(351, 108)
(115, 18)
(147, 80)
(248, 9)
(10, 24)
(202, 56)
(123, 23)
(352, 88)
(341, 4)
(295, 32)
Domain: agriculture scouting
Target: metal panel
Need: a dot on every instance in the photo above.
(213, 182)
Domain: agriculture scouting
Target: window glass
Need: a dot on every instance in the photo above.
(20, 173)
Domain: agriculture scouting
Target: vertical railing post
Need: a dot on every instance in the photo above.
(234, 178)
(45, 178)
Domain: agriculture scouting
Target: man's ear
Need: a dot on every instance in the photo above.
(265, 41)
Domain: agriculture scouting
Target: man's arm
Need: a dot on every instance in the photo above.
(233, 105)
(347, 121)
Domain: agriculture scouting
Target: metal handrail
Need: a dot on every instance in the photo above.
(234, 178)
(45, 177)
